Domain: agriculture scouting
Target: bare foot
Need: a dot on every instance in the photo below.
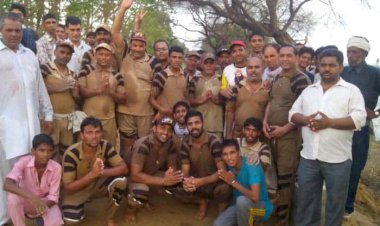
(111, 223)
(130, 215)
(202, 209)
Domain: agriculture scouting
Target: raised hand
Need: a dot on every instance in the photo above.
(126, 4)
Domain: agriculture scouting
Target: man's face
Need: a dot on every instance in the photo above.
(12, 34)
(271, 58)
(179, 114)
(195, 126)
(287, 58)
(161, 51)
(208, 67)
(257, 43)
(19, 13)
(74, 32)
(103, 36)
(60, 33)
(138, 49)
(50, 25)
(330, 69)
(238, 54)
(251, 134)
(62, 55)
(91, 40)
(163, 132)
(255, 69)
(191, 63)
(230, 156)
(304, 60)
(42, 154)
(224, 59)
(103, 57)
(175, 60)
(355, 56)
(91, 136)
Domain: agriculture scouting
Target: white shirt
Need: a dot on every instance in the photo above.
(230, 72)
(76, 59)
(341, 100)
(23, 98)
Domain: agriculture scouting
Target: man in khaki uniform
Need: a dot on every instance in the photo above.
(102, 88)
(284, 136)
(137, 68)
(169, 86)
(204, 95)
(249, 99)
(63, 91)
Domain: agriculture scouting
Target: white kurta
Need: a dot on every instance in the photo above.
(23, 98)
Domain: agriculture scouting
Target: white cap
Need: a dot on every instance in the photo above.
(359, 42)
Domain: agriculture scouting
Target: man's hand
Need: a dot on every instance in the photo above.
(320, 121)
(266, 129)
(126, 4)
(97, 169)
(39, 204)
(172, 177)
(277, 132)
(188, 184)
(226, 176)
(371, 113)
(141, 14)
(47, 127)
(227, 93)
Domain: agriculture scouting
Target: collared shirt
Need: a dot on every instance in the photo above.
(230, 74)
(25, 175)
(29, 38)
(259, 148)
(367, 79)
(339, 101)
(76, 58)
(45, 48)
(24, 100)
(271, 74)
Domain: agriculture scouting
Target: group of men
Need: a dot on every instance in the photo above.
(228, 127)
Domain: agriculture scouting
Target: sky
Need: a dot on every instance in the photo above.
(358, 19)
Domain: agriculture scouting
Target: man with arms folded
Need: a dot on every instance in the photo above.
(328, 112)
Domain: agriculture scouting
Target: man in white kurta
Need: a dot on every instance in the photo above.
(24, 100)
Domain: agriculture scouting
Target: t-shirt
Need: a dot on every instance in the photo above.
(231, 74)
(252, 175)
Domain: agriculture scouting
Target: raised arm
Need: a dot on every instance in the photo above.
(117, 37)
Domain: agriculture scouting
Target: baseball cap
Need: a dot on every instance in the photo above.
(222, 50)
(165, 121)
(104, 46)
(193, 53)
(237, 43)
(65, 43)
(103, 26)
(207, 56)
(139, 36)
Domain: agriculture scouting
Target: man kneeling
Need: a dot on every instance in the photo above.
(251, 203)
(91, 168)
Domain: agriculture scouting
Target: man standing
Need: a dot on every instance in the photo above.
(74, 32)
(249, 99)
(204, 95)
(63, 91)
(161, 52)
(223, 58)
(102, 88)
(367, 79)
(284, 136)
(201, 159)
(46, 44)
(191, 61)
(328, 112)
(257, 43)
(23, 98)
(91, 168)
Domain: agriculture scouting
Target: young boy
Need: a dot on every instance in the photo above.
(258, 152)
(34, 185)
(251, 203)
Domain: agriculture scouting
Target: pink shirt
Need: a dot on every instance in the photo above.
(25, 175)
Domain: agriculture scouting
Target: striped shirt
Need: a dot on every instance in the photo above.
(76, 166)
(261, 149)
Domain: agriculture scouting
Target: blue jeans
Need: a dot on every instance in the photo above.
(238, 213)
(360, 146)
(311, 174)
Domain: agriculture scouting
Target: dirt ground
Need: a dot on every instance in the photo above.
(171, 212)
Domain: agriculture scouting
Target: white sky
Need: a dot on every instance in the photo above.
(357, 17)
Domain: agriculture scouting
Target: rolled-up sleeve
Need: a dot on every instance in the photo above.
(55, 184)
(45, 109)
(296, 108)
(356, 109)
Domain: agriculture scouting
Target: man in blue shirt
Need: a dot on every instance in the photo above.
(250, 191)
(367, 79)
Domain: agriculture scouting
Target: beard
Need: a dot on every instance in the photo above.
(195, 133)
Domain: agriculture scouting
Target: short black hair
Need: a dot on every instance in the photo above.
(73, 20)
(332, 53)
(42, 139)
(230, 143)
(9, 16)
(295, 51)
(91, 121)
(257, 33)
(193, 113)
(177, 49)
(252, 121)
(181, 103)
(308, 50)
(90, 33)
(158, 41)
(18, 6)
(273, 45)
(48, 16)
